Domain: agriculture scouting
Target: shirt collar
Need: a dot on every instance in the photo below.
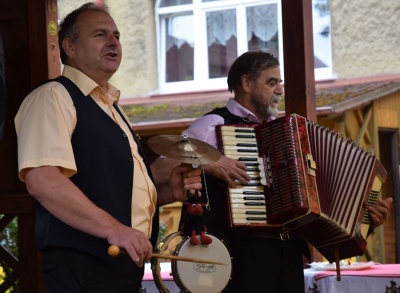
(87, 85)
(237, 109)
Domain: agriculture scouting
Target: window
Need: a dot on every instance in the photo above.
(179, 48)
(199, 39)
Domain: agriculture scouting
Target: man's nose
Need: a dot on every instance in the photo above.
(113, 40)
(279, 90)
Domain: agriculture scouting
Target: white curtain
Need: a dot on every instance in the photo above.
(180, 31)
(167, 3)
(262, 21)
(221, 25)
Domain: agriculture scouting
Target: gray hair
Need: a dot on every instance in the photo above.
(68, 28)
(251, 64)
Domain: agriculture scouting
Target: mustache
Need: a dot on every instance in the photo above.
(275, 99)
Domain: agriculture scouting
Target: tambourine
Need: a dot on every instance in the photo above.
(193, 276)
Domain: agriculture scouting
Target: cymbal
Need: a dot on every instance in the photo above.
(184, 149)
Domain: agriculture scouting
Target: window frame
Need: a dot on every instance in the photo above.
(199, 9)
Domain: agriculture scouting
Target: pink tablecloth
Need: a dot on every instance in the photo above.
(377, 278)
(148, 284)
(165, 272)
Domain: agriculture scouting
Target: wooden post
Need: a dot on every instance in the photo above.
(298, 52)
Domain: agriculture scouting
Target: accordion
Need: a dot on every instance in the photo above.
(307, 180)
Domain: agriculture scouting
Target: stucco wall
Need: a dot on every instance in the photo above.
(137, 75)
(365, 37)
(365, 40)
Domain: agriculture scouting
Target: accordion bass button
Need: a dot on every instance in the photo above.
(263, 181)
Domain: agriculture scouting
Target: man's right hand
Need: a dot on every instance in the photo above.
(133, 241)
(229, 170)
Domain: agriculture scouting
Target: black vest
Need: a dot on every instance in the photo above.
(105, 171)
(229, 118)
(216, 219)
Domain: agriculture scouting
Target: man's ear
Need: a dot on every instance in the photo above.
(246, 83)
(68, 47)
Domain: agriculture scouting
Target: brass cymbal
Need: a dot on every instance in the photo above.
(184, 149)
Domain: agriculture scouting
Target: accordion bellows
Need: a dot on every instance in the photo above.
(306, 179)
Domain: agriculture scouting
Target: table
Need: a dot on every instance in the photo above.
(377, 278)
(148, 283)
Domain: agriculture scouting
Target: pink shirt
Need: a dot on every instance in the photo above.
(203, 128)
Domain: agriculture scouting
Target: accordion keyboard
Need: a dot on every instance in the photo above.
(247, 202)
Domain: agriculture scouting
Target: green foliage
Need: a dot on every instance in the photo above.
(145, 112)
(2, 278)
(168, 111)
(8, 239)
(162, 231)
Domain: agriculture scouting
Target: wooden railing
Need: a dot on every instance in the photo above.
(21, 272)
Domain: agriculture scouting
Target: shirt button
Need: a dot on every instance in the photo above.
(130, 159)
(124, 135)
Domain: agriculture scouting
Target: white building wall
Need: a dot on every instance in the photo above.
(365, 40)
(365, 37)
(137, 75)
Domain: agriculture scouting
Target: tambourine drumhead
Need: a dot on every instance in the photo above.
(200, 277)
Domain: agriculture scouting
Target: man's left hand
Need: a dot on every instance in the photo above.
(380, 212)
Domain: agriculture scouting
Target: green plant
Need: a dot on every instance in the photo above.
(8, 239)
(162, 231)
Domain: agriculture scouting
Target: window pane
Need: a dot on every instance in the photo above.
(166, 3)
(262, 28)
(179, 48)
(321, 29)
(221, 41)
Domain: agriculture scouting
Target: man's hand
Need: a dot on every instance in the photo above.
(76, 210)
(173, 179)
(380, 212)
(133, 241)
(183, 178)
(229, 170)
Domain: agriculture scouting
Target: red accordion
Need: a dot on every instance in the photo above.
(306, 179)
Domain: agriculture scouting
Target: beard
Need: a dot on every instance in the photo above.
(269, 111)
(272, 108)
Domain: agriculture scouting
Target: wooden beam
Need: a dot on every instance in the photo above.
(364, 119)
(16, 203)
(43, 41)
(53, 51)
(298, 56)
